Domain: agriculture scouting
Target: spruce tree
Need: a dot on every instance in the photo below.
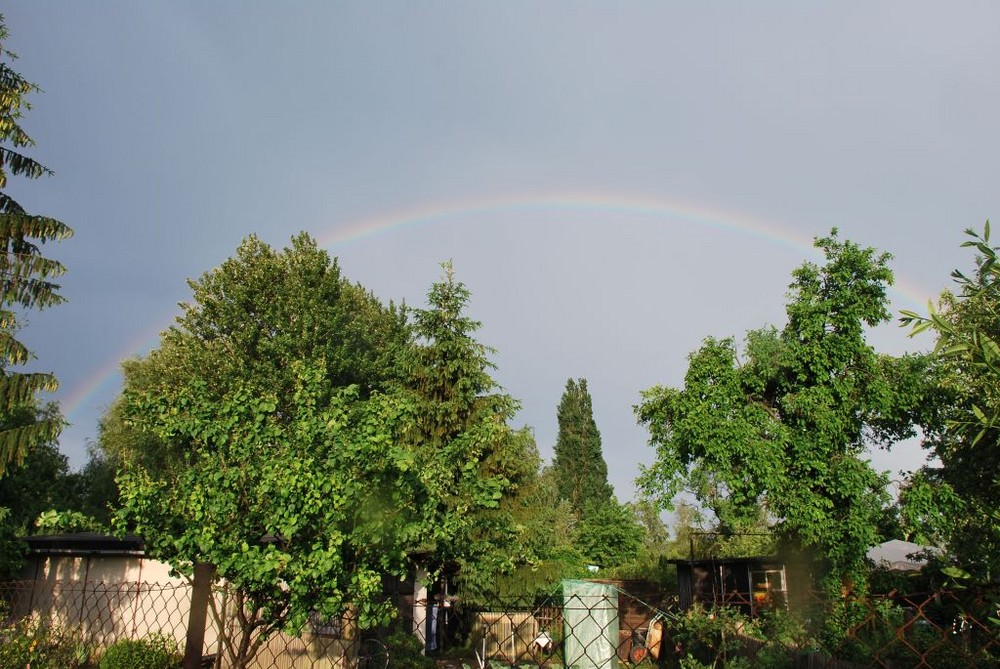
(581, 472)
(467, 455)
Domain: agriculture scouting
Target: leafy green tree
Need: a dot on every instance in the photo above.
(964, 432)
(929, 510)
(687, 525)
(26, 276)
(266, 436)
(531, 549)
(783, 425)
(655, 533)
(581, 471)
(250, 319)
(302, 504)
(25, 491)
(41, 482)
(305, 473)
(96, 490)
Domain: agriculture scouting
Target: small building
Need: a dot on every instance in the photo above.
(897, 555)
(750, 584)
(106, 588)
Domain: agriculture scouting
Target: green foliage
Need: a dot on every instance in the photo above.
(26, 276)
(153, 652)
(299, 512)
(929, 508)
(29, 643)
(261, 437)
(251, 319)
(723, 636)
(581, 471)
(406, 651)
(608, 535)
(965, 432)
(540, 552)
(41, 481)
(96, 490)
(710, 638)
(649, 561)
(468, 457)
(783, 424)
(66, 522)
(291, 432)
(12, 548)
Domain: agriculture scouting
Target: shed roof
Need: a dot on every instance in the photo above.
(901, 555)
(84, 543)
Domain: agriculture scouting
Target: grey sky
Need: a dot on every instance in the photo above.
(620, 179)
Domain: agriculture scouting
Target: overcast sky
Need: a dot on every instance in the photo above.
(613, 181)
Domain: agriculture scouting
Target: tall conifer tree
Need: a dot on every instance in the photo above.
(468, 456)
(25, 274)
(581, 472)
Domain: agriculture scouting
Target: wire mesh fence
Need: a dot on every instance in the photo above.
(954, 628)
(582, 624)
(93, 616)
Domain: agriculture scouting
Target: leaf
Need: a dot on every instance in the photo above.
(990, 349)
(956, 573)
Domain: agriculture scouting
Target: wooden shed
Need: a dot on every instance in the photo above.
(751, 584)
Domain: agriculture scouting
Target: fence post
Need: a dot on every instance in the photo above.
(201, 590)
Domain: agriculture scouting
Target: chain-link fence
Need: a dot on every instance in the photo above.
(582, 624)
(956, 628)
(96, 615)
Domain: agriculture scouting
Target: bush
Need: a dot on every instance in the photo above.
(153, 652)
(31, 643)
(406, 651)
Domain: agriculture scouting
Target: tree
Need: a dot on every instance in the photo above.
(783, 425)
(40, 485)
(265, 436)
(468, 456)
(26, 276)
(294, 433)
(302, 509)
(531, 548)
(963, 429)
(250, 320)
(581, 472)
(41, 482)
(608, 535)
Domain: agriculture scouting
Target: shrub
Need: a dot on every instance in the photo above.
(406, 651)
(35, 644)
(153, 652)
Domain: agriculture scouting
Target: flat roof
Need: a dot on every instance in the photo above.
(84, 543)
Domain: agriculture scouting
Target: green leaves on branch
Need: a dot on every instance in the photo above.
(966, 433)
(781, 426)
(303, 439)
(320, 483)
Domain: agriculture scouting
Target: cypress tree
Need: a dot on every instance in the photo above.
(581, 472)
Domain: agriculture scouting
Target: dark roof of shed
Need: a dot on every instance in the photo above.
(84, 542)
(702, 562)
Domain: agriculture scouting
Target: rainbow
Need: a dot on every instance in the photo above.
(655, 209)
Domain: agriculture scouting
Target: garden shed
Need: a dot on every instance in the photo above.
(751, 584)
